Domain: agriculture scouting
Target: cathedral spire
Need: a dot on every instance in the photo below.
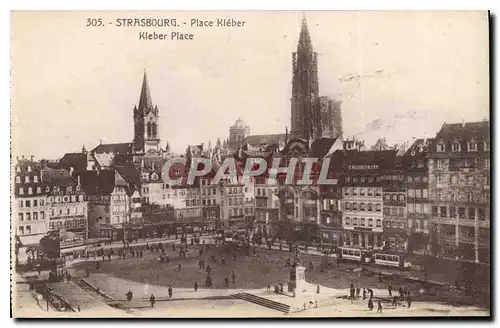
(304, 38)
(145, 98)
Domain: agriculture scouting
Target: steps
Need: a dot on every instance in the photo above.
(263, 302)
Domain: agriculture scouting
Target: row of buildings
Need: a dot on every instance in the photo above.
(431, 196)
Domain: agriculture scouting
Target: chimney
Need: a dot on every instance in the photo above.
(32, 158)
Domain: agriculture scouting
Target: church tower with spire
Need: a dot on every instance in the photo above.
(146, 121)
(305, 87)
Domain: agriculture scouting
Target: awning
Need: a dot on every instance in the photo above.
(31, 240)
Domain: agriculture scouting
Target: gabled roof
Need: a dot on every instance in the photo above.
(320, 147)
(420, 146)
(116, 148)
(98, 182)
(130, 174)
(465, 132)
(57, 177)
(76, 160)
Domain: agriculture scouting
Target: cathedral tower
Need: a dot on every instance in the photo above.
(305, 88)
(146, 121)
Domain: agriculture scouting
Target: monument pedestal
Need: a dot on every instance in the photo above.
(297, 280)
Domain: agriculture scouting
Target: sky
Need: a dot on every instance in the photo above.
(74, 85)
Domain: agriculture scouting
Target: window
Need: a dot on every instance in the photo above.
(410, 179)
(21, 203)
(379, 223)
(418, 193)
(370, 192)
(386, 211)
(355, 179)
(21, 230)
(378, 192)
(35, 216)
(486, 146)
(370, 222)
(21, 217)
(354, 191)
(35, 203)
(346, 192)
(434, 210)
(472, 146)
(354, 221)
(38, 190)
(455, 147)
(362, 207)
(362, 191)
(28, 216)
(370, 207)
(347, 206)
(394, 197)
(387, 197)
(472, 213)
(401, 211)
(411, 207)
(401, 198)
(442, 211)
(425, 193)
(378, 207)
(461, 212)
(26, 179)
(441, 147)
(354, 206)
(21, 191)
(419, 208)
(27, 203)
(454, 179)
(347, 221)
(18, 179)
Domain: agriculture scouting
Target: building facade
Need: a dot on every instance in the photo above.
(459, 189)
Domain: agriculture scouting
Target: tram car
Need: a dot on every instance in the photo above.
(391, 260)
(354, 254)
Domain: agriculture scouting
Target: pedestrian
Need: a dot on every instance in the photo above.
(68, 277)
(389, 289)
(170, 291)
(364, 294)
(370, 304)
(97, 265)
(233, 276)
(179, 267)
(268, 287)
(226, 282)
(195, 286)
(379, 308)
(409, 300)
(395, 301)
(358, 290)
(129, 295)
(152, 300)
(208, 270)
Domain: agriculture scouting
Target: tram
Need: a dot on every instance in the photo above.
(392, 260)
(354, 254)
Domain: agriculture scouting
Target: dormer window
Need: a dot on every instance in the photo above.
(30, 191)
(26, 179)
(29, 168)
(35, 179)
(441, 147)
(18, 179)
(38, 190)
(18, 169)
(21, 191)
(154, 176)
(456, 147)
(47, 189)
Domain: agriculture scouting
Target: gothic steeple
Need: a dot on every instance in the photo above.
(145, 101)
(304, 38)
(146, 121)
(305, 88)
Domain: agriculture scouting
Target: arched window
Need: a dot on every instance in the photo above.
(153, 130)
(149, 130)
(18, 179)
(35, 179)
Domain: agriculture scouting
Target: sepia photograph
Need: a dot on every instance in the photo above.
(250, 164)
